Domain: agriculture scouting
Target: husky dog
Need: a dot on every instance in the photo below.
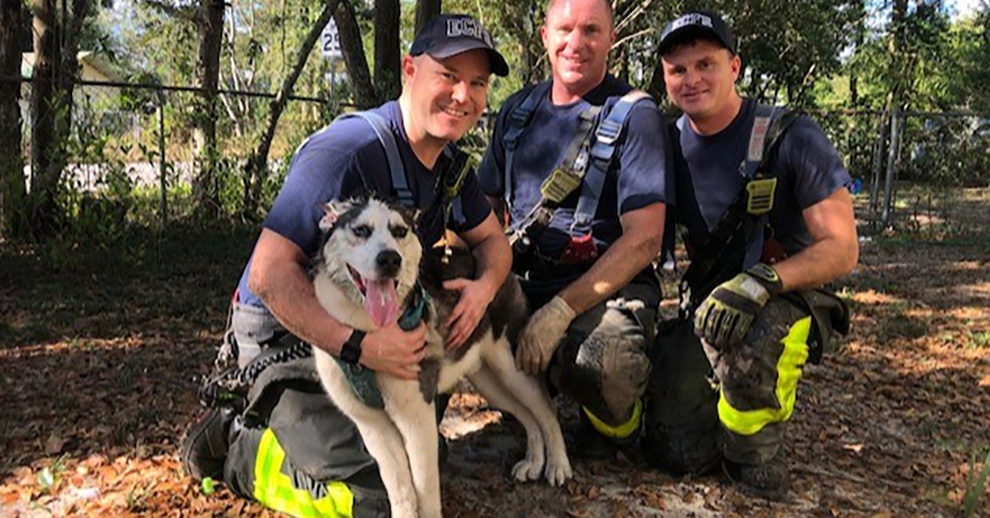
(368, 273)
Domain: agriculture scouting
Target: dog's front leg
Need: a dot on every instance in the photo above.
(379, 434)
(415, 419)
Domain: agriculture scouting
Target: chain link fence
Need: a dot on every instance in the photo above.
(132, 147)
(135, 143)
(921, 172)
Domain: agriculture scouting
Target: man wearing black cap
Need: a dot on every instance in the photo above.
(576, 164)
(292, 450)
(762, 194)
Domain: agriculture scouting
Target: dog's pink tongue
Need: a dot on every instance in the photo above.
(381, 302)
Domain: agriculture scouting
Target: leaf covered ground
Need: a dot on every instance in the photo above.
(101, 351)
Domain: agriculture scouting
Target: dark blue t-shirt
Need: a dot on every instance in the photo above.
(346, 159)
(807, 167)
(636, 177)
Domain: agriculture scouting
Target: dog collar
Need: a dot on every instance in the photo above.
(414, 314)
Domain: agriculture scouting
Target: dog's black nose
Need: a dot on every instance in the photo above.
(389, 262)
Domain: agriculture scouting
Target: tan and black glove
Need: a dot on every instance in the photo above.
(542, 335)
(726, 314)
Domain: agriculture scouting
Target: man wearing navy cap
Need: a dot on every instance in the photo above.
(762, 194)
(292, 450)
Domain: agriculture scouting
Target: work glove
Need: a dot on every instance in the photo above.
(726, 314)
(542, 335)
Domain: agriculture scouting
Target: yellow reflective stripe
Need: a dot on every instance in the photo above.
(274, 489)
(748, 422)
(617, 432)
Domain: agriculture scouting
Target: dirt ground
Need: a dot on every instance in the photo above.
(101, 352)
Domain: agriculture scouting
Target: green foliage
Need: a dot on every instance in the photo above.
(976, 484)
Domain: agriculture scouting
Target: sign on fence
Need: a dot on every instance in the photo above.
(331, 41)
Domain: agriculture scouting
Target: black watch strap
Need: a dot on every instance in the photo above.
(351, 351)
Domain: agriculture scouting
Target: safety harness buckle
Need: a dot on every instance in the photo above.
(608, 131)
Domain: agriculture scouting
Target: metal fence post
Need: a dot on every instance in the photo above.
(162, 171)
(893, 152)
(878, 165)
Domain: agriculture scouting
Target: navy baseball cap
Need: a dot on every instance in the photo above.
(694, 25)
(450, 34)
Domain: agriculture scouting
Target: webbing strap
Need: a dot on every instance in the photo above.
(517, 122)
(387, 138)
(737, 216)
(602, 152)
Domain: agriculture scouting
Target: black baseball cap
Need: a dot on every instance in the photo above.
(694, 25)
(450, 34)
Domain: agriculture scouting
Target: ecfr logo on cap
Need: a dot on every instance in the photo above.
(693, 19)
(467, 27)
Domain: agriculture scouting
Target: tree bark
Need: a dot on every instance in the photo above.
(387, 48)
(426, 10)
(351, 46)
(12, 188)
(257, 166)
(206, 189)
(46, 152)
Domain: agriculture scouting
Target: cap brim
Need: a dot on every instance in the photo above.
(686, 32)
(496, 62)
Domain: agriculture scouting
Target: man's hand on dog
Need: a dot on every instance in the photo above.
(475, 298)
(542, 335)
(393, 351)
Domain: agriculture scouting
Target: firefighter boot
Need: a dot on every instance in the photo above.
(204, 448)
(770, 480)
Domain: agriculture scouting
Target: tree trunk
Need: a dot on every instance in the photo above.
(351, 46)
(257, 166)
(12, 188)
(46, 150)
(206, 189)
(426, 10)
(387, 48)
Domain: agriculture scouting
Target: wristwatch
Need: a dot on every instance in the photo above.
(351, 351)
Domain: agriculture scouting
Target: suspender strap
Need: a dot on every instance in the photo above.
(602, 152)
(517, 122)
(739, 214)
(387, 138)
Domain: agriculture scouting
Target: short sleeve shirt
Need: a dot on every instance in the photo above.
(807, 167)
(636, 177)
(345, 160)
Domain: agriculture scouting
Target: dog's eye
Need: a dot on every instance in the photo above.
(362, 231)
(399, 231)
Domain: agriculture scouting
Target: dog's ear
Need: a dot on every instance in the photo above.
(331, 211)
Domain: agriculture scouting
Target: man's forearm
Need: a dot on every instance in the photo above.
(625, 258)
(292, 300)
(816, 265)
(494, 260)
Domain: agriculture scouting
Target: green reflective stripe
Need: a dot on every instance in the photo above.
(274, 489)
(748, 422)
(617, 432)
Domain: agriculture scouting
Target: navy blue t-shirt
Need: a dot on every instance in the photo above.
(808, 170)
(636, 177)
(344, 160)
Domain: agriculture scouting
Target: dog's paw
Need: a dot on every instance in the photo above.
(528, 469)
(558, 472)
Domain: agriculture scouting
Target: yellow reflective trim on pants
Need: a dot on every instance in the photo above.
(748, 422)
(617, 432)
(274, 489)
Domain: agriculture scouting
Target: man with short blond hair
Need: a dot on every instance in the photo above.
(762, 194)
(574, 164)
